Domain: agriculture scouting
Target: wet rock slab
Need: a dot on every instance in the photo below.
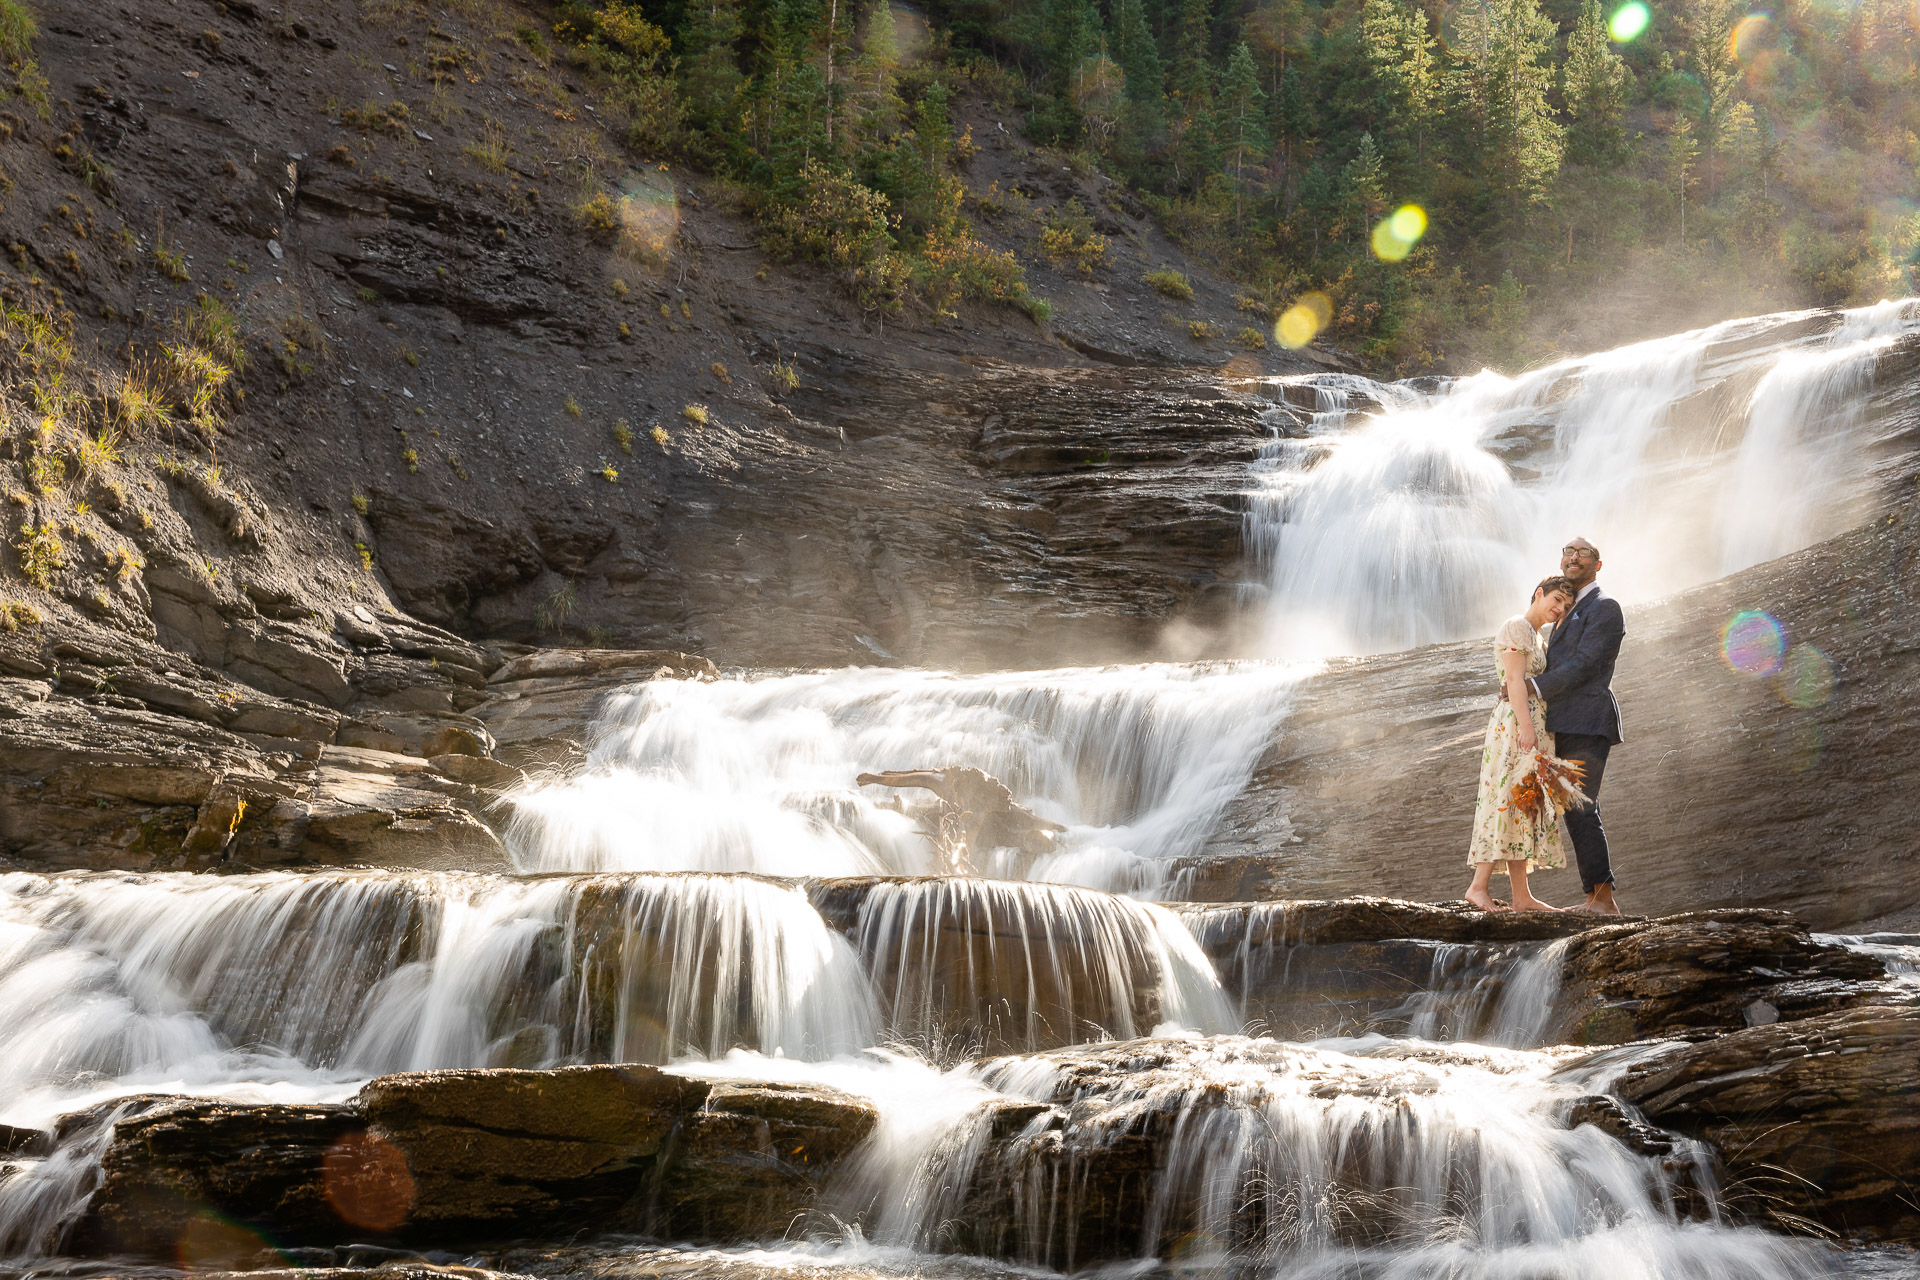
(1304, 969)
(1817, 1122)
(451, 1157)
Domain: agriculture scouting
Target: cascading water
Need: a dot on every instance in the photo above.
(645, 927)
(1425, 516)
(996, 964)
(1348, 1159)
(758, 774)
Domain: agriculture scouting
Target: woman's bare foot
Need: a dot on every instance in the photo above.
(1484, 900)
(1531, 903)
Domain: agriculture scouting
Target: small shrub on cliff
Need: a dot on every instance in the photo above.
(1252, 339)
(623, 436)
(572, 407)
(1169, 283)
(696, 414)
(660, 436)
(1200, 330)
(609, 473)
(172, 264)
(15, 614)
(41, 554)
(491, 149)
(598, 216)
(374, 116)
(17, 30)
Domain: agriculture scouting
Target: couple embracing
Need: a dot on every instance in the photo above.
(1549, 761)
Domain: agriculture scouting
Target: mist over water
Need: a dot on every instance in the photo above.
(1427, 515)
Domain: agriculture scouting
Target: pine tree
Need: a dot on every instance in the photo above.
(1594, 87)
(879, 56)
(1135, 50)
(1241, 105)
(1278, 28)
(1366, 186)
(1144, 113)
(1502, 84)
(1401, 52)
(1711, 56)
(710, 65)
(1682, 150)
(1193, 57)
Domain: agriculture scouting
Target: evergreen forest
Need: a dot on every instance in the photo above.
(1428, 184)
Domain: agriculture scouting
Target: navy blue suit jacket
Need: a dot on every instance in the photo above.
(1578, 681)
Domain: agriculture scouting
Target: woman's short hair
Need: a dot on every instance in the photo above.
(1555, 585)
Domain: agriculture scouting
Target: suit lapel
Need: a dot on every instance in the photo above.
(1575, 621)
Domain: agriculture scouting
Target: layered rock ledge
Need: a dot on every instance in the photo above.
(454, 1157)
(1817, 1122)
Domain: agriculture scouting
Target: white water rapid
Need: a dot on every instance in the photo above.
(711, 890)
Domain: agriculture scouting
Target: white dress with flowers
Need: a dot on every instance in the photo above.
(1502, 831)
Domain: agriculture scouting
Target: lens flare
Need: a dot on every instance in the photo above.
(1753, 643)
(1398, 232)
(1754, 33)
(649, 214)
(1302, 322)
(366, 1180)
(1628, 21)
(1805, 679)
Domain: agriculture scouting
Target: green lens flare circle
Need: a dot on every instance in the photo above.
(1628, 21)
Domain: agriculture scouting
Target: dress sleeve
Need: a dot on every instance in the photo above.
(1515, 636)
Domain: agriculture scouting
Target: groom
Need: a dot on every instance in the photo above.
(1581, 712)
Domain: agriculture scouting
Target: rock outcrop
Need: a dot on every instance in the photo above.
(454, 1157)
(1816, 1122)
(127, 756)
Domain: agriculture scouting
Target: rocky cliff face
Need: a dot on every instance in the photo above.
(422, 383)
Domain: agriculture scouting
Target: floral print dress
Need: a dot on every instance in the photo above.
(1502, 831)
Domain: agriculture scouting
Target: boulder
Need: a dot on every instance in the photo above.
(1817, 1122)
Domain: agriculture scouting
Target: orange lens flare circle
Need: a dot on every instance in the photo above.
(367, 1182)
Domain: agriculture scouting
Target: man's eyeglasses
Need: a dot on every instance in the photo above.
(1585, 553)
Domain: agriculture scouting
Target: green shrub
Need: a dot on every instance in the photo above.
(17, 30)
(1170, 284)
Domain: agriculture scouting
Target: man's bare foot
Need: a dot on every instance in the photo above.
(1484, 900)
(1532, 904)
(1599, 903)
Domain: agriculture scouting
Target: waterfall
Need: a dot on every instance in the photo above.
(1314, 1159)
(113, 982)
(758, 774)
(996, 964)
(196, 982)
(712, 892)
(1425, 515)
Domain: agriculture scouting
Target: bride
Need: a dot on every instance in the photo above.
(1523, 787)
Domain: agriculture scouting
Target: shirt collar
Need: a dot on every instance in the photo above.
(1585, 591)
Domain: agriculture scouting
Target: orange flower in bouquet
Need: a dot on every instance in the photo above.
(1550, 781)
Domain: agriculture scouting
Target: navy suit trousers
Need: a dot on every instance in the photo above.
(1583, 825)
